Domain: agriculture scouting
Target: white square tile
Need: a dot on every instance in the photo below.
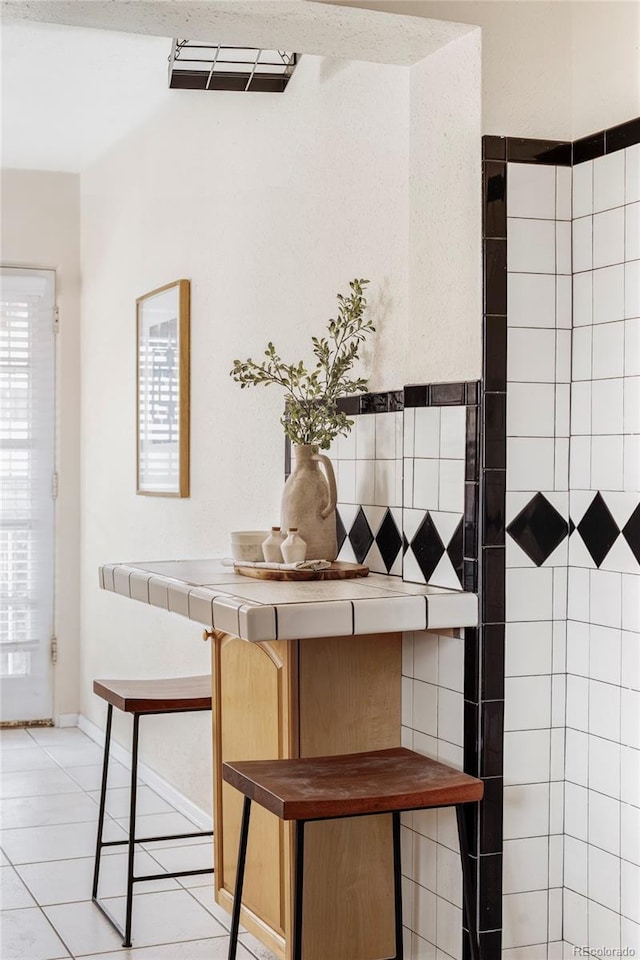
(563, 302)
(583, 299)
(608, 237)
(604, 822)
(346, 446)
(527, 703)
(425, 708)
(26, 935)
(563, 356)
(632, 173)
(13, 893)
(608, 181)
(581, 353)
(605, 598)
(580, 463)
(577, 702)
(385, 483)
(426, 475)
(608, 350)
(559, 664)
(583, 244)
(604, 710)
(407, 481)
(453, 433)
(530, 463)
(529, 594)
(365, 430)
(630, 934)
(630, 890)
(583, 188)
(449, 875)
(526, 756)
(450, 716)
(365, 481)
(632, 348)
(451, 485)
(530, 410)
(531, 355)
(36, 783)
(325, 619)
(578, 606)
(448, 926)
(630, 603)
(451, 663)
(604, 924)
(408, 431)
(604, 878)
(530, 246)
(528, 649)
(630, 832)
(608, 294)
(399, 613)
(525, 864)
(575, 864)
(576, 810)
(575, 913)
(346, 481)
(526, 810)
(531, 300)
(630, 658)
(531, 191)
(556, 861)
(606, 463)
(632, 232)
(631, 405)
(385, 431)
(632, 289)
(524, 917)
(425, 657)
(607, 406)
(630, 718)
(581, 408)
(604, 767)
(62, 841)
(563, 247)
(564, 180)
(577, 757)
(604, 654)
(427, 432)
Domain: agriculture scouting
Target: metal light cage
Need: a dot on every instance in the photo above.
(194, 65)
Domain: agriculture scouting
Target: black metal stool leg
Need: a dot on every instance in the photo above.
(103, 800)
(132, 831)
(397, 883)
(237, 896)
(467, 884)
(299, 890)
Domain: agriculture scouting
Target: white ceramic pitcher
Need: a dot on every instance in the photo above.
(309, 502)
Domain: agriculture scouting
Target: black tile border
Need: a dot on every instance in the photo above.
(560, 153)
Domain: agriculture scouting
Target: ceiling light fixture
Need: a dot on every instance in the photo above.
(194, 65)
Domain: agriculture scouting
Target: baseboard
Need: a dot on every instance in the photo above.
(66, 720)
(161, 786)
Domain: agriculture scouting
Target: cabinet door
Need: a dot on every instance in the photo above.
(252, 721)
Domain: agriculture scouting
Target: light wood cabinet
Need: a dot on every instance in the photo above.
(308, 698)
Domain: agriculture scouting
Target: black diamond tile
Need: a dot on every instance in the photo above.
(360, 536)
(454, 549)
(427, 547)
(598, 529)
(389, 540)
(341, 533)
(538, 529)
(631, 532)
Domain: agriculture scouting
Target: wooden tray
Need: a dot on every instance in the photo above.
(339, 570)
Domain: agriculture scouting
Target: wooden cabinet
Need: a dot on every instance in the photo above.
(308, 698)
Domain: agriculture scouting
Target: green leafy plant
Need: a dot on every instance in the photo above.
(311, 396)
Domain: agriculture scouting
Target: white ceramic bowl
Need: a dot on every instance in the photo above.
(247, 544)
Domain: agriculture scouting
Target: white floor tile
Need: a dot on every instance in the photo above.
(37, 783)
(26, 935)
(118, 802)
(60, 842)
(11, 738)
(59, 735)
(30, 758)
(90, 778)
(157, 824)
(13, 893)
(47, 810)
(75, 754)
(68, 881)
(158, 918)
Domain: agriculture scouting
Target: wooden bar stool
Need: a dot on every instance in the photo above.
(353, 785)
(143, 697)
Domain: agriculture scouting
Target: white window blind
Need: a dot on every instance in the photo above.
(27, 425)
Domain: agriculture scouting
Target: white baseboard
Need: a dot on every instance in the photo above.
(66, 720)
(166, 790)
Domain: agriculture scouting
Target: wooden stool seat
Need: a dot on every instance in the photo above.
(318, 788)
(142, 698)
(351, 785)
(156, 696)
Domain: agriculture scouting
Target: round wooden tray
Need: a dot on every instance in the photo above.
(339, 570)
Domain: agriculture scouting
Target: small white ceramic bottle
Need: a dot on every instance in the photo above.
(272, 546)
(294, 547)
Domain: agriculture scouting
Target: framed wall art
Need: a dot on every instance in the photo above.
(162, 395)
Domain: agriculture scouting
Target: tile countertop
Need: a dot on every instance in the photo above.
(213, 595)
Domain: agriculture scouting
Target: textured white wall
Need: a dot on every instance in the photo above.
(41, 228)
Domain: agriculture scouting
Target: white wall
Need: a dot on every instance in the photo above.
(550, 68)
(41, 228)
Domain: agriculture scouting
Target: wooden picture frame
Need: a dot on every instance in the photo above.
(162, 391)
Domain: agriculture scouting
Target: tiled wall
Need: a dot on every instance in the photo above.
(602, 790)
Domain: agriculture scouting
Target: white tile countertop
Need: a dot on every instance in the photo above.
(213, 595)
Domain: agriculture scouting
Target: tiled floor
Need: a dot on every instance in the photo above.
(48, 811)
